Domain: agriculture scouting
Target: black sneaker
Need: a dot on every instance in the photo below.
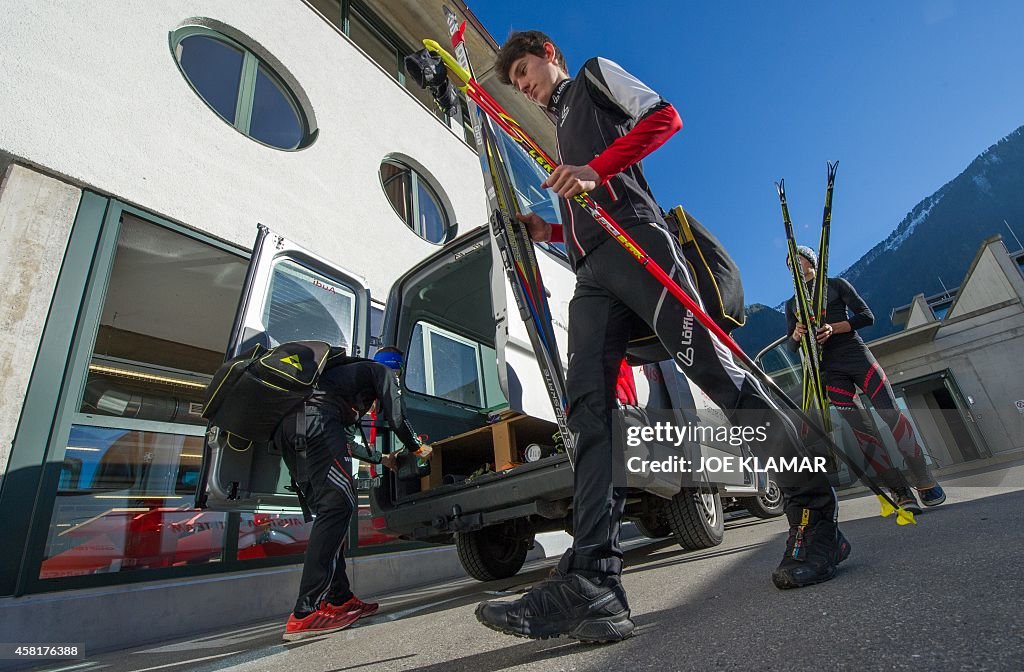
(563, 604)
(904, 498)
(813, 550)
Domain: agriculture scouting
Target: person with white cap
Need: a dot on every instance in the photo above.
(846, 365)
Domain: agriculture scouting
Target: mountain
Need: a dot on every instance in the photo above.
(938, 238)
(764, 324)
(941, 234)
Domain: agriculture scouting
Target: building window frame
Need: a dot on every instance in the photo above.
(53, 398)
(245, 99)
(350, 8)
(412, 199)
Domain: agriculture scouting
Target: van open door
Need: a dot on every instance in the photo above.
(289, 294)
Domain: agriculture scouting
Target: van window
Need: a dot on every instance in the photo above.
(527, 177)
(305, 305)
(443, 364)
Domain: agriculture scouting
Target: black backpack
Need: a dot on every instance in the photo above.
(715, 272)
(251, 394)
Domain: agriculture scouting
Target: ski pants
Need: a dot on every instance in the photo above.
(843, 372)
(615, 298)
(329, 491)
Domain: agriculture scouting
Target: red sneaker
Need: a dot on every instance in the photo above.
(353, 605)
(320, 622)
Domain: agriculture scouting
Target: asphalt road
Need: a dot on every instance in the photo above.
(946, 594)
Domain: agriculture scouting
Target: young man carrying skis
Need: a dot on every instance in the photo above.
(606, 122)
(847, 364)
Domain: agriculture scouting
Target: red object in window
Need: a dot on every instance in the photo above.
(625, 386)
(379, 523)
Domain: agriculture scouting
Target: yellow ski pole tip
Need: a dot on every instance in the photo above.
(904, 517)
(887, 508)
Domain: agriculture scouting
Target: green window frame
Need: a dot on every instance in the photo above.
(408, 204)
(244, 103)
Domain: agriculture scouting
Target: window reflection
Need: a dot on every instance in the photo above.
(274, 119)
(214, 68)
(124, 502)
(415, 201)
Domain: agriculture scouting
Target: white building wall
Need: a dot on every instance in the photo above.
(91, 91)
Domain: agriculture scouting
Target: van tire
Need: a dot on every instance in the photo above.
(495, 552)
(768, 505)
(695, 518)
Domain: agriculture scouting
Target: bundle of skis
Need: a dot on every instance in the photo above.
(428, 68)
(810, 309)
(810, 305)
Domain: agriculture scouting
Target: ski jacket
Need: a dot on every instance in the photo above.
(349, 391)
(609, 120)
(842, 300)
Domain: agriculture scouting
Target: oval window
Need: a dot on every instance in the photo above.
(415, 201)
(241, 88)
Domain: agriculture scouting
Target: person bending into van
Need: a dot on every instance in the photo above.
(846, 365)
(606, 121)
(324, 477)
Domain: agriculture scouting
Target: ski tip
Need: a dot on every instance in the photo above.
(904, 517)
(887, 508)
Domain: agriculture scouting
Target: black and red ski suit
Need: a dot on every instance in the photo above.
(332, 417)
(846, 366)
(609, 120)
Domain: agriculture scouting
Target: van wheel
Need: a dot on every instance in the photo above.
(495, 552)
(695, 517)
(768, 505)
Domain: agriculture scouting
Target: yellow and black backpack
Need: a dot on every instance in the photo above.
(251, 394)
(715, 272)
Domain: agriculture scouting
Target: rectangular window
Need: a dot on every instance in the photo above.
(382, 50)
(131, 464)
(305, 305)
(125, 502)
(388, 51)
(443, 364)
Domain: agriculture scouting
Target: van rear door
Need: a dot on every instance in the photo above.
(289, 294)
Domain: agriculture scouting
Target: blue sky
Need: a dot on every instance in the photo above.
(903, 94)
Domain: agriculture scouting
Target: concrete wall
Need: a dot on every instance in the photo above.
(92, 92)
(36, 214)
(985, 353)
(920, 313)
(987, 285)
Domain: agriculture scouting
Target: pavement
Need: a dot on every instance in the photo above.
(945, 594)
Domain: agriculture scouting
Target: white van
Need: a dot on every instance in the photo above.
(473, 387)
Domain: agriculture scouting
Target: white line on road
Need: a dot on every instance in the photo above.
(186, 662)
